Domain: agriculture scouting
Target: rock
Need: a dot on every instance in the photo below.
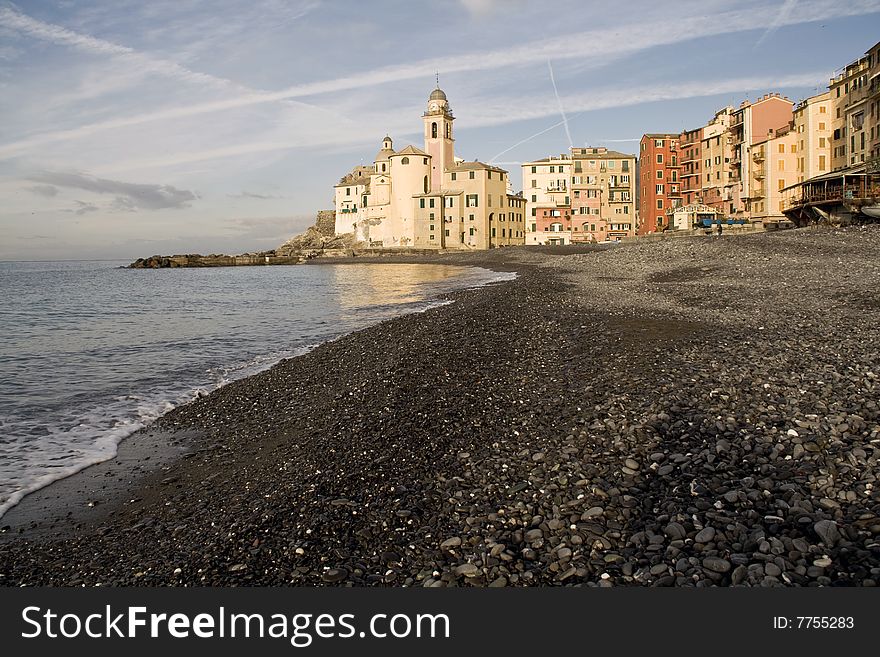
(716, 564)
(467, 570)
(705, 535)
(334, 575)
(453, 542)
(632, 464)
(827, 532)
(675, 531)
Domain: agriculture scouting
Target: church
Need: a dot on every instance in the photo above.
(426, 198)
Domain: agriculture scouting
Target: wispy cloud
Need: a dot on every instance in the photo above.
(129, 196)
(781, 18)
(47, 191)
(612, 98)
(83, 207)
(597, 46)
(255, 196)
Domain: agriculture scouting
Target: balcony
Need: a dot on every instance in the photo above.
(555, 189)
(758, 156)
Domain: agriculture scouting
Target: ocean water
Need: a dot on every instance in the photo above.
(90, 352)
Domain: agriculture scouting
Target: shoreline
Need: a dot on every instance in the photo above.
(581, 427)
(86, 496)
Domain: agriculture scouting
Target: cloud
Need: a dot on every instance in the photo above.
(44, 190)
(252, 195)
(129, 196)
(781, 18)
(598, 47)
(82, 207)
(275, 229)
(480, 7)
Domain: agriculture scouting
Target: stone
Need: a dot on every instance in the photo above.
(705, 535)
(453, 542)
(675, 531)
(334, 575)
(716, 564)
(827, 531)
(467, 570)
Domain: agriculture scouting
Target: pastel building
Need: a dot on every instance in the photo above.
(812, 125)
(750, 124)
(659, 171)
(545, 185)
(427, 198)
(716, 154)
(690, 157)
(873, 120)
(602, 191)
(773, 167)
(849, 101)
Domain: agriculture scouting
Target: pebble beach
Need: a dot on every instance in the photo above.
(688, 412)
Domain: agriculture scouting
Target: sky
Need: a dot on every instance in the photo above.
(131, 128)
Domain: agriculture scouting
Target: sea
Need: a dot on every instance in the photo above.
(91, 351)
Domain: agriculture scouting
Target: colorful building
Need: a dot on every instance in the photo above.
(849, 100)
(690, 146)
(427, 198)
(812, 124)
(716, 153)
(545, 185)
(602, 194)
(659, 172)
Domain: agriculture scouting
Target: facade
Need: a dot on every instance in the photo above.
(693, 216)
(427, 198)
(554, 225)
(812, 124)
(690, 156)
(750, 124)
(849, 100)
(545, 185)
(773, 167)
(659, 172)
(716, 154)
(873, 120)
(602, 192)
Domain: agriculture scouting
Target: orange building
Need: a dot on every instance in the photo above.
(691, 154)
(659, 177)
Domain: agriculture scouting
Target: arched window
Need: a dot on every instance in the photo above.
(404, 160)
(434, 130)
(383, 166)
(448, 130)
(426, 184)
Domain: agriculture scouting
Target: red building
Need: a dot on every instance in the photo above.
(659, 177)
(691, 153)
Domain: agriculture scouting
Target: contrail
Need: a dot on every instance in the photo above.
(523, 141)
(782, 17)
(559, 100)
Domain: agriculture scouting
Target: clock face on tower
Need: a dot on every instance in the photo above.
(433, 107)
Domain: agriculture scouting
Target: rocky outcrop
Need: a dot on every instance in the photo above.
(319, 240)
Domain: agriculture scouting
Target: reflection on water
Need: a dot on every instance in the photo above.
(360, 286)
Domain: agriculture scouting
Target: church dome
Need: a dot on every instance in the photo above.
(437, 94)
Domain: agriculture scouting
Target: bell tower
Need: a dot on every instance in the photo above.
(438, 135)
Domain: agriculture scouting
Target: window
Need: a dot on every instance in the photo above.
(659, 203)
(782, 165)
(434, 130)
(472, 175)
(781, 148)
(453, 176)
(821, 109)
(659, 189)
(404, 160)
(552, 169)
(493, 232)
(446, 232)
(534, 169)
(489, 175)
(471, 201)
(624, 179)
(471, 217)
(659, 173)
(430, 203)
(421, 202)
(659, 158)
(471, 231)
(449, 201)
(821, 163)
(534, 183)
(658, 143)
(534, 212)
(781, 183)
(431, 216)
(821, 126)
(431, 227)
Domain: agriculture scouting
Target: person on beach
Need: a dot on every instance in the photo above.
(720, 229)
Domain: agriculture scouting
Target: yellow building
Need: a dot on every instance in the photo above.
(717, 152)
(812, 125)
(773, 167)
(429, 199)
(849, 101)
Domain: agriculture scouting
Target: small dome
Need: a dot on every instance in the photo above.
(437, 94)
